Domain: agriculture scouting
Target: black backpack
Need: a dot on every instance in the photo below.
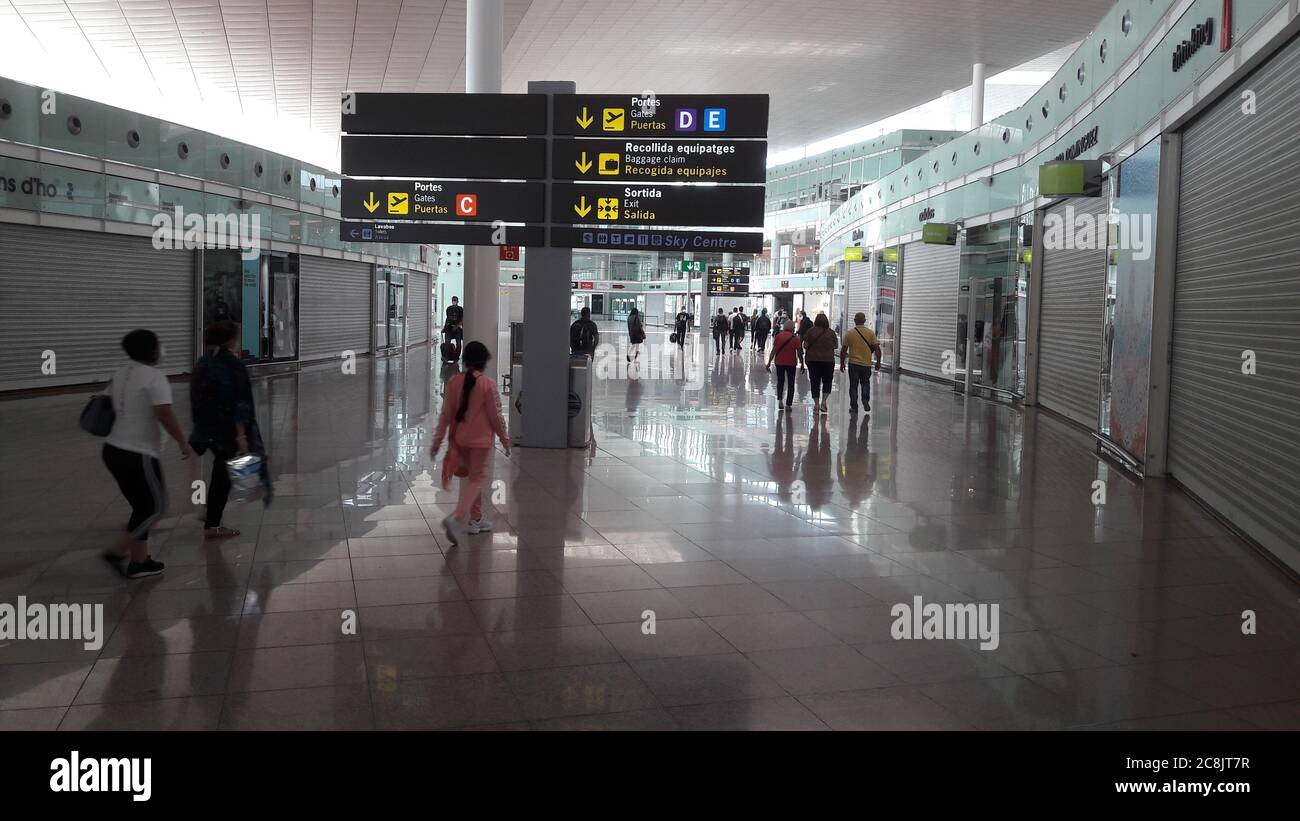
(580, 336)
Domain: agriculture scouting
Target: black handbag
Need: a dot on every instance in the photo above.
(98, 416)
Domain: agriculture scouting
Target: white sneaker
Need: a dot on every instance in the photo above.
(479, 526)
(455, 529)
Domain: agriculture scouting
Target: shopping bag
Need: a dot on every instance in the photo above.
(247, 477)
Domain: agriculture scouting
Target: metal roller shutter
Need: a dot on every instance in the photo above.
(1070, 330)
(417, 308)
(1233, 437)
(859, 296)
(334, 307)
(928, 324)
(77, 293)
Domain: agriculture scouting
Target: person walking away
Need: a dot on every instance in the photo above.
(225, 419)
(762, 329)
(805, 324)
(681, 325)
(860, 347)
(720, 330)
(584, 336)
(469, 419)
(737, 329)
(635, 334)
(786, 353)
(819, 346)
(142, 404)
(453, 330)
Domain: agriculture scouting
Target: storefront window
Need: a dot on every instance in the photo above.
(993, 265)
(1130, 290)
(390, 307)
(280, 313)
(887, 303)
(261, 294)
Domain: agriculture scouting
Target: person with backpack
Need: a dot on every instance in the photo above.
(681, 325)
(469, 420)
(142, 407)
(860, 347)
(584, 336)
(762, 328)
(786, 353)
(819, 346)
(635, 334)
(720, 329)
(453, 331)
(225, 420)
(737, 329)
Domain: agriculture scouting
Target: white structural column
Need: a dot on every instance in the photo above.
(483, 33)
(977, 96)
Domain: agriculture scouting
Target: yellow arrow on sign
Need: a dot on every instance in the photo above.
(584, 165)
(586, 119)
(585, 209)
(372, 203)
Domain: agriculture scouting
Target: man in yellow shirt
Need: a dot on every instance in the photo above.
(860, 348)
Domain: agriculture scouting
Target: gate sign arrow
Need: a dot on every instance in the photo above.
(371, 204)
(585, 119)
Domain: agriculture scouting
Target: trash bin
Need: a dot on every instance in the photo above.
(579, 401)
(516, 400)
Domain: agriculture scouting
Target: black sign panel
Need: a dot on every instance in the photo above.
(491, 158)
(728, 281)
(672, 115)
(452, 234)
(665, 160)
(732, 206)
(640, 239)
(427, 200)
(506, 115)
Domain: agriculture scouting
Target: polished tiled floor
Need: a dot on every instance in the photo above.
(770, 550)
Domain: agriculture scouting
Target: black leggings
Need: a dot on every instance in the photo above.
(785, 383)
(821, 374)
(218, 488)
(140, 479)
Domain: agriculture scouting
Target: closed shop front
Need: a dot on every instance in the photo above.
(859, 296)
(334, 313)
(1234, 416)
(68, 297)
(928, 324)
(1073, 310)
(417, 308)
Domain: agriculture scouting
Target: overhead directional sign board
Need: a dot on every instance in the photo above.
(672, 115)
(401, 156)
(426, 200)
(665, 160)
(728, 280)
(496, 114)
(421, 232)
(641, 239)
(672, 205)
(665, 172)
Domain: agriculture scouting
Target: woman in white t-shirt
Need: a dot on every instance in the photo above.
(142, 402)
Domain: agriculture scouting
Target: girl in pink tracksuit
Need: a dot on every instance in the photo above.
(470, 418)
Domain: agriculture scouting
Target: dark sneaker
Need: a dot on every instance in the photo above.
(866, 406)
(853, 410)
(140, 570)
(115, 561)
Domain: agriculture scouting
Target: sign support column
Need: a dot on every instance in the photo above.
(547, 274)
(483, 27)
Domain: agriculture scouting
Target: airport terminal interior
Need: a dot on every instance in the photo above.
(832, 366)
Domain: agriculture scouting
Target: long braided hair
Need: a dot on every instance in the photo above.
(475, 357)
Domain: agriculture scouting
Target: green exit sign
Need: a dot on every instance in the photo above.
(693, 266)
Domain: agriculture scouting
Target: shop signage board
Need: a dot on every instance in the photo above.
(432, 200)
(423, 167)
(852, 254)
